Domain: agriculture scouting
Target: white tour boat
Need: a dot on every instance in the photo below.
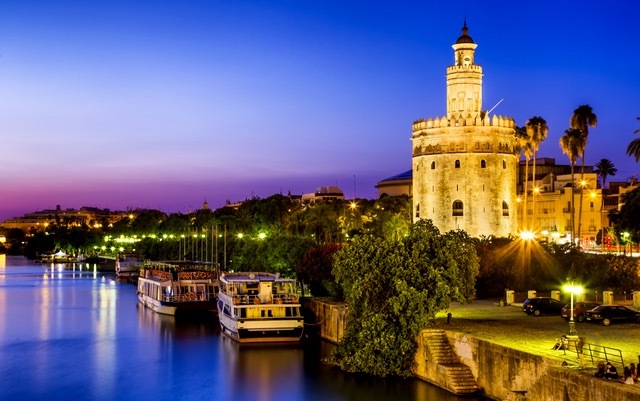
(259, 307)
(128, 264)
(177, 288)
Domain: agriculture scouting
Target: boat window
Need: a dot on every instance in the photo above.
(270, 313)
(243, 312)
(226, 310)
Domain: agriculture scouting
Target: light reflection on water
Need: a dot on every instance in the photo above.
(74, 333)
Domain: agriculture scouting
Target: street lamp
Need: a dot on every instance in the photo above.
(573, 289)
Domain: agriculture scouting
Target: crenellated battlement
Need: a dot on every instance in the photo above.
(461, 121)
(462, 68)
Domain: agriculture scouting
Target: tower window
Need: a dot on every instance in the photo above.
(458, 208)
(417, 211)
(505, 208)
(457, 163)
(433, 165)
(483, 163)
(504, 164)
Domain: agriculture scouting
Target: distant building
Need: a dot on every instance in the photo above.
(40, 220)
(399, 184)
(324, 194)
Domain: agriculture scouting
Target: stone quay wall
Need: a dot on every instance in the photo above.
(508, 374)
(502, 373)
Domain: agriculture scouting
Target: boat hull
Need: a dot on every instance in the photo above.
(270, 330)
(174, 308)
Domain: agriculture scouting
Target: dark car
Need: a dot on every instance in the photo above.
(608, 314)
(579, 309)
(542, 306)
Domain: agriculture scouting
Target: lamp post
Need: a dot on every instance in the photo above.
(572, 289)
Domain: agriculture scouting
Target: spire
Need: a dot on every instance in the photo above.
(465, 38)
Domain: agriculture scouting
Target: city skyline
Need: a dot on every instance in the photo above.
(160, 105)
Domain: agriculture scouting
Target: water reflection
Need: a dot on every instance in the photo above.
(73, 333)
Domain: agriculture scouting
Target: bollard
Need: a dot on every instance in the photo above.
(510, 297)
(501, 303)
(555, 294)
(607, 297)
(449, 318)
(531, 294)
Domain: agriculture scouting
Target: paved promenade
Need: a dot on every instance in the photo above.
(511, 327)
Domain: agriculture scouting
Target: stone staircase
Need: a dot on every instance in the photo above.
(458, 377)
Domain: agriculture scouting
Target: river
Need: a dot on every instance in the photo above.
(73, 334)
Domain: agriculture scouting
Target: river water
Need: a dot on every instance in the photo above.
(73, 334)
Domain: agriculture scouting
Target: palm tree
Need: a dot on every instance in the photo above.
(634, 146)
(583, 118)
(604, 168)
(570, 143)
(537, 130)
(524, 143)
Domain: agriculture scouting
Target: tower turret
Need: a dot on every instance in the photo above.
(464, 79)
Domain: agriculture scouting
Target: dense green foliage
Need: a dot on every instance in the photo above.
(393, 288)
(315, 271)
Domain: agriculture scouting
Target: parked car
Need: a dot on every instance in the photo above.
(579, 308)
(608, 314)
(542, 306)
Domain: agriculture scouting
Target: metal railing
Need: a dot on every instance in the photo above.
(597, 353)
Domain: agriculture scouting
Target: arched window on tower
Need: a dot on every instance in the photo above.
(458, 208)
(483, 164)
(505, 208)
(457, 163)
(433, 165)
(504, 164)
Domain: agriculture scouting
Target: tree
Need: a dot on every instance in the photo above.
(570, 143)
(315, 270)
(524, 143)
(537, 131)
(582, 118)
(604, 168)
(394, 288)
(633, 150)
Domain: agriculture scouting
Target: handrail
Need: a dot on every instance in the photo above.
(593, 351)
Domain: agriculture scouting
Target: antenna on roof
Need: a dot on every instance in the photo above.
(495, 106)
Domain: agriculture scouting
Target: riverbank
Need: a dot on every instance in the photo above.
(512, 353)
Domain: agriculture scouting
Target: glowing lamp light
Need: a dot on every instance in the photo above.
(262, 235)
(527, 235)
(240, 235)
(353, 205)
(573, 289)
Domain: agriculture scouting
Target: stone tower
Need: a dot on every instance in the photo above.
(465, 163)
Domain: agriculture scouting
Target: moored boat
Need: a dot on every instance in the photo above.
(171, 289)
(259, 307)
(128, 264)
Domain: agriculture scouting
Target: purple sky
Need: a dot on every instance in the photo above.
(161, 104)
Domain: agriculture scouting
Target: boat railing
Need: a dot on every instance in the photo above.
(190, 297)
(255, 299)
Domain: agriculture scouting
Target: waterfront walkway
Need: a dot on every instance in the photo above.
(509, 326)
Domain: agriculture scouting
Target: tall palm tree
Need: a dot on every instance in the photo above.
(604, 168)
(583, 118)
(537, 130)
(570, 143)
(524, 143)
(633, 150)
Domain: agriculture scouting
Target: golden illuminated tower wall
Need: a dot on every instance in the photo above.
(465, 163)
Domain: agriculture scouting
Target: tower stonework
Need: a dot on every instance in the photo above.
(465, 163)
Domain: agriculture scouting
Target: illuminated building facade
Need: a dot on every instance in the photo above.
(465, 163)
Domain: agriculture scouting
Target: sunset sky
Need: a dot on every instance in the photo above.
(162, 104)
